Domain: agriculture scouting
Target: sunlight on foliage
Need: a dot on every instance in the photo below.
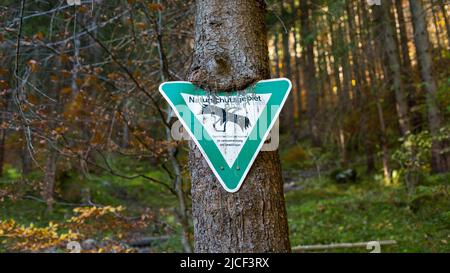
(88, 223)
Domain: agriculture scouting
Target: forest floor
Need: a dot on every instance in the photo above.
(320, 211)
(324, 213)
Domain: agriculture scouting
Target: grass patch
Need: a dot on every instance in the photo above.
(325, 213)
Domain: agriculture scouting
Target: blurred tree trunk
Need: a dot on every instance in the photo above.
(406, 60)
(287, 114)
(336, 53)
(125, 130)
(277, 54)
(182, 211)
(372, 50)
(253, 219)
(2, 148)
(50, 177)
(346, 76)
(297, 82)
(310, 82)
(446, 20)
(324, 82)
(359, 96)
(394, 67)
(3, 131)
(25, 158)
(439, 161)
(435, 19)
(51, 155)
(407, 70)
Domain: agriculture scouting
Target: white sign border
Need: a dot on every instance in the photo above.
(205, 156)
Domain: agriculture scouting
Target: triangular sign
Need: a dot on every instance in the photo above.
(229, 128)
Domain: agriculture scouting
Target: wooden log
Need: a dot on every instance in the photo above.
(147, 241)
(340, 245)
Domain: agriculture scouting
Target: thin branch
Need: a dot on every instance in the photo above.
(19, 37)
(128, 72)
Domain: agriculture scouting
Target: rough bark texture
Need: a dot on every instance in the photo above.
(231, 53)
(423, 48)
(230, 44)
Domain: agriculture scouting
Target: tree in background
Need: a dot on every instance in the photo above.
(440, 161)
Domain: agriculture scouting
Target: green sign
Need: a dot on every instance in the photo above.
(229, 128)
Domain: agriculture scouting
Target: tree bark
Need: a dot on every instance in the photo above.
(310, 82)
(4, 103)
(394, 66)
(287, 114)
(372, 50)
(25, 158)
(277, 55)
(407, 69)
(182, 212)
(231, 47)
(341, 137)
(359, 94)
(231, 53)
(2, 149)
(50, 178)
(439, 161)
(297, 84)
(435, 19)
(446, 20)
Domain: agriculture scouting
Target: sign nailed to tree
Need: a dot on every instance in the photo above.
(229, 128)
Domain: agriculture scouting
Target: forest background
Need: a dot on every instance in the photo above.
(84, 150)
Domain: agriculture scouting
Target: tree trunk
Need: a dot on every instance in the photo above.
(4, 107)
(439, 161)
(253, 219)
(2, 149)
(346, 77)
(25, 158)
(277, 55)
(324, 77)
(407, 69)
(437, 31)
(393, 58)
(383, 130)
(446, 20)
(310, 82)
(182, 213)
(297, 85)
(341, 137)
(359, 94)
(50, 178)
(371, 50)
(287, 114)
(50, 167)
